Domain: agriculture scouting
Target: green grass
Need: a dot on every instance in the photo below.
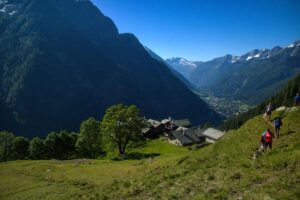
(220, 171)
(54, 179)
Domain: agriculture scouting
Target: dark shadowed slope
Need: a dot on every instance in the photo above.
(63, 61)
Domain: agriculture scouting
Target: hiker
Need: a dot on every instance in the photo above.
(261, 147)
(262, 142)
(296, 100)
(268, 112)
(269, 136)
(277, 125)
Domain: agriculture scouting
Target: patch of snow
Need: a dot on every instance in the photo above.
(13, 12)
(187, 63)
(3, 1)
(291, 45)
(257, 56)
(3, 9)
(9, 9)
(235, 58)
(249, 57)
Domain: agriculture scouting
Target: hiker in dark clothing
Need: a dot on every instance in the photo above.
(263, 142)
(260, 150)
(277, 125)
(296, 100)
(268, 112)
(269, 137)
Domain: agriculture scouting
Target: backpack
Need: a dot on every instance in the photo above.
(278, 123)
(268, 137)
(269, 109)
(263, 137)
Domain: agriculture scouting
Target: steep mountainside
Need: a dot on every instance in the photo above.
(175, 72)
(225, 170)
(63, 61)
(251, 77)
(283, 98)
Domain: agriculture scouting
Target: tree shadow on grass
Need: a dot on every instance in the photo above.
(140, 156)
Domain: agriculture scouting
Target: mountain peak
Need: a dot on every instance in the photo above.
(182, 61)
(276, 48)
(184, 66)
(294, 44)
(64, 48)
(9, 7)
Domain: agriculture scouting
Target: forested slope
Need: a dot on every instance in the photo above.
(283, 98)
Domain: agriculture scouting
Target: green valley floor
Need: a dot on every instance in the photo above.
(223, 170)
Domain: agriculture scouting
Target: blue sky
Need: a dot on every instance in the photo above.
(205, 29)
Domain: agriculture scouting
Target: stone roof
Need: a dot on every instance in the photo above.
(198, 131)
(213, 133)
(183, 139)
(154, 123)
(146, 130)
(191, 135)
(183, 122)
(165, 121)
(181, 128)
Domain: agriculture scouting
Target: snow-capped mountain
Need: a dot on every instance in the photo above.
(9, 7)
(295, 44)
(183, 66)
(250, 77)
(175, 72)
(291, 50)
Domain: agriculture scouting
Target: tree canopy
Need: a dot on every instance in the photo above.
(122, 124)
(20, 147)
(89, 139)
(6, 145)
(37, 148)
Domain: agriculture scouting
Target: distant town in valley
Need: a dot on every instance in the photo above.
(224, 106)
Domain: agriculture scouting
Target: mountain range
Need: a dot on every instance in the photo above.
(62, 61)
(251, 77)
(174, 71)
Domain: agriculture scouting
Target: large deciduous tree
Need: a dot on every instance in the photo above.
(122, 124)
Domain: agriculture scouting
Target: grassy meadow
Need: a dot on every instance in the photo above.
(223, 170)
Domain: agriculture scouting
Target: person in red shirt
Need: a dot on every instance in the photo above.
(269, 136)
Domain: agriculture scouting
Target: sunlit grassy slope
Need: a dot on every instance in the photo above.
(220, 171)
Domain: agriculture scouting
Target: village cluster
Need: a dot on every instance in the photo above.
(180, 132)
